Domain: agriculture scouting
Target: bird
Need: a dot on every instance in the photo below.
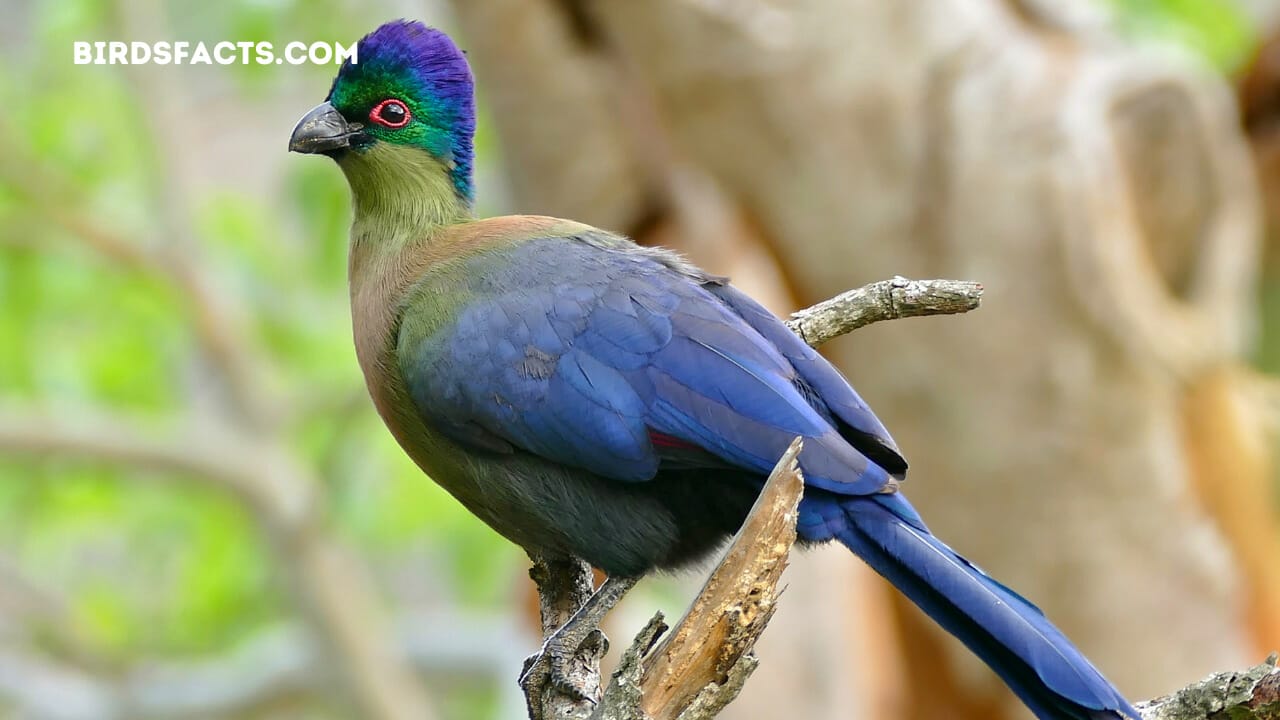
(589, 397)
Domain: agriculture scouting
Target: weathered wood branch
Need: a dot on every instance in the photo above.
(1250, 695)
(701, 665)
(884, 300)
(733, 607)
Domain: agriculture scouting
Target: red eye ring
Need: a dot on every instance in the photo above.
(390, 113)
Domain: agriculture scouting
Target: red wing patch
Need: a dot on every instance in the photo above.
(663, 440)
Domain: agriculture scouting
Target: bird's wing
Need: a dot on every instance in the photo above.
(615, 359)
(852, 416)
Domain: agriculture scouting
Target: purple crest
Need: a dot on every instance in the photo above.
(425, 63)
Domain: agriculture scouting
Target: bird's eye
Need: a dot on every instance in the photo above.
(390, 113)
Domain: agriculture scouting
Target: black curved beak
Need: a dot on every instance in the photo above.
(322, 130)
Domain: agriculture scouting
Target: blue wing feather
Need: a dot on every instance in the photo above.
(577, 351)
(823, 383)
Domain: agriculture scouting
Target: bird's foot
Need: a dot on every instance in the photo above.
(569, 661)
(567, 664)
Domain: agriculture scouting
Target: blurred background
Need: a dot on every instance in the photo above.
(202, 517)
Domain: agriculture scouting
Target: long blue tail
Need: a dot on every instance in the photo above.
(1009, 633)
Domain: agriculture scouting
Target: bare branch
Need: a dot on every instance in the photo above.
(622, 700)
(884, 300)
(1250, 695)
(564, 587)
(735, 604)
(702, 664)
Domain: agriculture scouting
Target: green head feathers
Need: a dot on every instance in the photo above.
(409, 86)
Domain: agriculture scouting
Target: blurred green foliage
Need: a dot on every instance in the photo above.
(1216, 29)
(145, 565)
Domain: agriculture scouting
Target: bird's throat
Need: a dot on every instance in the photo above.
(401, 192)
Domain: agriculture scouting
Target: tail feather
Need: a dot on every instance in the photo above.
(1009, 633)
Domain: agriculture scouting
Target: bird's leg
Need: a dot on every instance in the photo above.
(562, 646)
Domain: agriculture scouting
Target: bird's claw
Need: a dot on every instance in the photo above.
(551, 667)
(569, 662)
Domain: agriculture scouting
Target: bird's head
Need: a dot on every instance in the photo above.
(401, 112)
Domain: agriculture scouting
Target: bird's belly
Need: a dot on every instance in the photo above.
(556, 510)
(623, 528)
